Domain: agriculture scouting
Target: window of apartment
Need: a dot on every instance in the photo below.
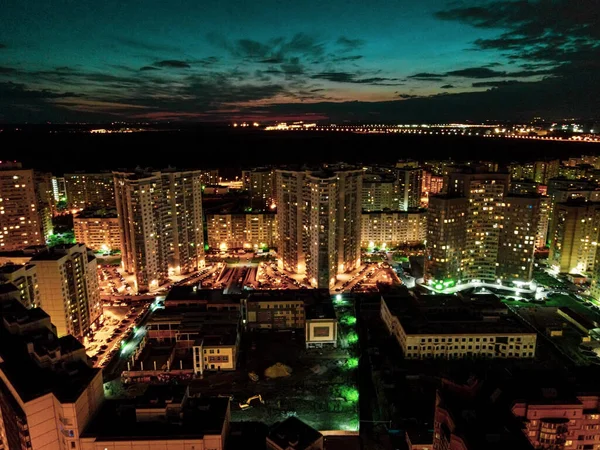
(211, 351)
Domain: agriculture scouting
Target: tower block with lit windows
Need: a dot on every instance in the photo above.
(160, 216)
(319, 222)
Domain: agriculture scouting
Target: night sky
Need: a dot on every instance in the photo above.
(381, 60)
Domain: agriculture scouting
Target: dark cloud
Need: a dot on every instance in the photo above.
(146, 46)
(406, 96)
(14, 92)
(350, 44)
(347, 58)
(427, 76)
(447, 86)
(346, 77)
(2, 46)
(7, 70)
(495, 84)
(563, 34)
(294, 67)
(172, 64)
(147, 68)
(479, 72)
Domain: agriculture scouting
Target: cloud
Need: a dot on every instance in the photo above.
(447, 86)
(7, 70)
(564, 34)
(406, 96)
(2, 46)
(348, 58)
(346, 77)
(146, 46)
(427, 76)
(479, 72)
(172, 64)
(148, 68)
(495, 84)
(349, 44)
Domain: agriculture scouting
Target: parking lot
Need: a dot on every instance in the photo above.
(117, 324)
(269, 276)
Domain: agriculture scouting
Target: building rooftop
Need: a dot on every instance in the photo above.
(66, 380)
(308, 296)
(292, 433)
(15, 313)
(450, 315)
(321, 310)
(481, 424)
(98, 213)
(12, 268)
(116, 420)
(193, 294)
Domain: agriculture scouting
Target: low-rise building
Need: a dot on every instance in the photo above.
(387, 229)
(48, 390)
(160, 419)
(98, 229)
(321, 325)
(455, 332)
(294, 434)
(202, 323)
(24, 279)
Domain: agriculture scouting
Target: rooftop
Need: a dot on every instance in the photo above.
(308, 296)
(321, 310)
(12, 268)
(116, 421)
(192, 293)
(292, 433)
(66, 380)
(97, 213)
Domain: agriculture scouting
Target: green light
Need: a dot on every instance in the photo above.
(439, 286)
(449, 283)
(352, 337)
(206, 247)
(349, 393)
(351, 364)
(348, 320)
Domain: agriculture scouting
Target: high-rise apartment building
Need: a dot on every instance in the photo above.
(410, 181)
(518, 237)
(45, 201)
(388, 229)
(541, 239)
(261, 186)
(477, 232)
(89, 190)
(319, 220)
(574, 236)
(485, 193)
(545, 170)
(98, 229)
(160, 216)
(48, 391)
(446, 238)
(22, 284)
(20, 220)
(249, 230)
(379, 192)
(68, 284)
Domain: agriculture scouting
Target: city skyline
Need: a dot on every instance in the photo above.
(436, 60)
